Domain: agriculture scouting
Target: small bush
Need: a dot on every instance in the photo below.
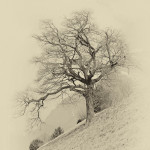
(58, 131)
(101, 99)
(35, 144)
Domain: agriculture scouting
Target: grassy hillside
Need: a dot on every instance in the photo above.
(116, 128)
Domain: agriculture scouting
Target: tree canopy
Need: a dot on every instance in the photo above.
(74, 58)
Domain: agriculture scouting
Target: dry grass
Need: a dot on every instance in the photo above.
(115, 128)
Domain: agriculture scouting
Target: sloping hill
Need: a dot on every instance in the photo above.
(119, 127)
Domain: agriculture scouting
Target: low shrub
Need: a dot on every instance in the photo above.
(35, 144)
(58, 131)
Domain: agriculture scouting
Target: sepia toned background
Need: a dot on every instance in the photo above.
(20, 19)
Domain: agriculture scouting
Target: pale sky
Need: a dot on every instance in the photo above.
(20, 19)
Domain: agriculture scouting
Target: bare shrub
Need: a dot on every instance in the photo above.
(35, 144)
(58, 131)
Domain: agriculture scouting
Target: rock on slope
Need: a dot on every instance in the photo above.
(119, 127)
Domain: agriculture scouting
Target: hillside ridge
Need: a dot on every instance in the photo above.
(113, 128)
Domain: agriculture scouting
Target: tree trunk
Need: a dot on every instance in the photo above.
(89, 104)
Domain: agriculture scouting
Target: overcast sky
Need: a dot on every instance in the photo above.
(19, 19)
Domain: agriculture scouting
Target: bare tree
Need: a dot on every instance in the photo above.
(75, 58)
